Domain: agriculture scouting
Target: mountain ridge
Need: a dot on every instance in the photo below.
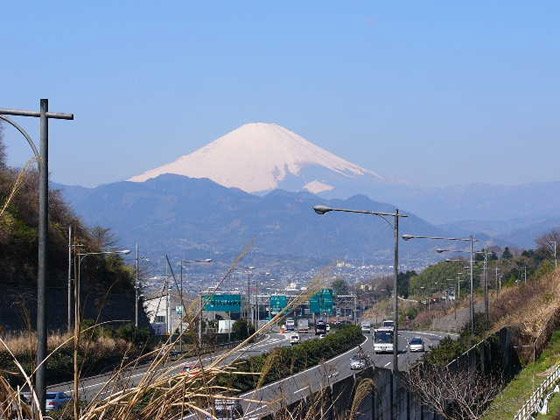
(257, 157)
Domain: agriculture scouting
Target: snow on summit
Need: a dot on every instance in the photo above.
(256, 157)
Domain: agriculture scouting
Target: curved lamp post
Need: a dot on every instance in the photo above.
(77, 287)
(485, 275)
(201, 261)
(321, 209)
(42, 157)
(472, 240)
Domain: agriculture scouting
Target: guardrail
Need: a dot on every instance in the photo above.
(537, 398)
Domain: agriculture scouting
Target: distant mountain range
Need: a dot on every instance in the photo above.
(261, 157)
(184, 216)
(257, 182)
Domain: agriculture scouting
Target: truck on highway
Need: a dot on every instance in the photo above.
(225, 326)
(383, 340)
(290, 324)
(388, 323)
(320, 327)
(366, 327)
(303, 325)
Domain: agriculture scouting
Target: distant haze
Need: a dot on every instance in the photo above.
(431, 93)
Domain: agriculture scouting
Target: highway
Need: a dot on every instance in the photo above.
(90, 387)
(274, 396)
(278, 394)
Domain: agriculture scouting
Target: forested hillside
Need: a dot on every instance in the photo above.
(106, 282)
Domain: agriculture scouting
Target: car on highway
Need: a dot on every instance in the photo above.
(294, 339)
(416, 344)
(226, 409)
(53, 400)
(191, 367)
(358, 362)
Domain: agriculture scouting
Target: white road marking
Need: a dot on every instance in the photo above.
(301, 389)
(387, 364)
(259, 408)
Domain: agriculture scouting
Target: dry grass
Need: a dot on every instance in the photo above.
(529, 306)
(160, 394)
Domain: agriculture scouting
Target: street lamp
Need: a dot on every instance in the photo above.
(199, 261)
(554, 246)
(77, 286)
(472, 240)
(485, 275)
(321, 210)
(42, 157)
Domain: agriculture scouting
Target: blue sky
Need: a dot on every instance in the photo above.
(432, 92)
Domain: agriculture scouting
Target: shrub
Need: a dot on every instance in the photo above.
(286, 361)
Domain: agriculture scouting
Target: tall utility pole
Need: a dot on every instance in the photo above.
(136, 287)
(396, 331)
(486, 297)
(43, 162)
(69, 286)
(395, 225)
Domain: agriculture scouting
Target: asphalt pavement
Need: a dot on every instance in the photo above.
(273, 396)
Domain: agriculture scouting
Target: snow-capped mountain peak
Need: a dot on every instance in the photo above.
(259, 157)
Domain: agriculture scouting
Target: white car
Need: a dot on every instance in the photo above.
(294, 339)
(53, 400)
(416, 344)
(358, 362)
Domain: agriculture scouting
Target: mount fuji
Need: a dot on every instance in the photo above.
(261, 157)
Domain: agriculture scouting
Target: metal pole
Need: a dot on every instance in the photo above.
(181, 305)
(167, 304)
(248, 302)
(136, 286)
(69, 286)
(77, 324)
(472, 284)
(396, 315)
(355, 306)
(486, 297)
(40, 383)
(200, 323)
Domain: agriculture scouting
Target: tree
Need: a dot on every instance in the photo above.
(403, 282)
(2, 147)
(102, 238)
(453, 394)
(241, 329)
(507, 255)
(340, 287)
(547, 242)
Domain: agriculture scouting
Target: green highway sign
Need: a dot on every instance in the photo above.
(222, 303)
(322, 302)
(277, 303)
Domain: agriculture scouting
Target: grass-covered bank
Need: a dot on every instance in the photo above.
(286, 361)
(516, 393)
(101, 350)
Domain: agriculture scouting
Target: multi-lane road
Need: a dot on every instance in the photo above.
(92, 387)
(278, 394)
(272, 397)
